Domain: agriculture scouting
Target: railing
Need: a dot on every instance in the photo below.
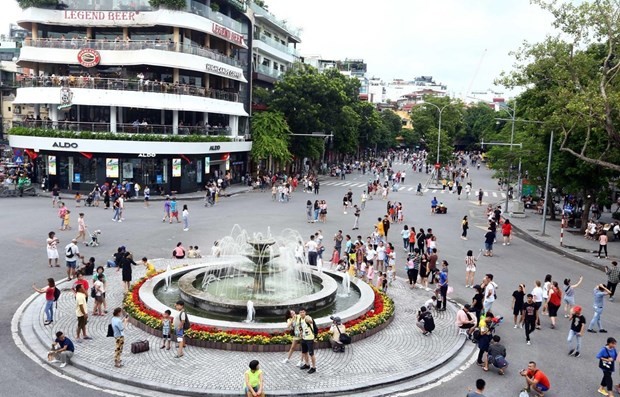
(268, 71)
(99, 83)
(276, 44)
(128, 128)
(109, 5)
(258, 10)
(129, 45)
(205, 11)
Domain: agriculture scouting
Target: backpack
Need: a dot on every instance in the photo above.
(315, 329)
(56, 294)
(186, 323)
(69, 252)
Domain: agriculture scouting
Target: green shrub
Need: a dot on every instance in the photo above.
(114, 136)
(170, 4)
(37, 3)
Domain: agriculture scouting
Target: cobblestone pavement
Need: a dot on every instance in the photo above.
(206, 370)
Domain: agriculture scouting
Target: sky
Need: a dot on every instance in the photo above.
(461, 43)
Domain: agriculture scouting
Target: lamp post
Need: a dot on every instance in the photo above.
(439, 132)
(544, 220)
(512, 137)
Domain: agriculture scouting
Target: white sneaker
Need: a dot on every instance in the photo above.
(63, 365)
(54, 361)
(515, 327)
(503, 243)
(285, 361)
(186, 229)
(521, 326)
(529, 343)
(120, 220)
(300, 363)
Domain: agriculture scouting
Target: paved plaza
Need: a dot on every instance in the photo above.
(378, 359)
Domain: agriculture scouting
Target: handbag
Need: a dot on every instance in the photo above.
(140, 346)
(606, 365)
(110, 332)
(93, 292)
(344, 338)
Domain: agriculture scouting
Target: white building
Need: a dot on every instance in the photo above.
(399, 89)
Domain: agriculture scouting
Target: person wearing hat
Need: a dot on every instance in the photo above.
(336, 330)
(72, 253)
(576, 331)
(464, 320)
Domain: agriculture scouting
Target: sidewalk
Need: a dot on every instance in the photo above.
(574, 245)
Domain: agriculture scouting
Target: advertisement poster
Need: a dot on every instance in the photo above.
(207, 165)
(111, 168)
(51, 165)
(176, 168)
(127, 170)
(77, 178)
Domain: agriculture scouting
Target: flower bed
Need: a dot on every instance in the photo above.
(359, 328)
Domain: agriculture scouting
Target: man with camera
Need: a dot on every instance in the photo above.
(62, 350)
(425, 321)
(600, 291)
(535, 379)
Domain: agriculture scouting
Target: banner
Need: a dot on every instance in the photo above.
(51, 165)
(176, 168)
(207, 165)
(111, 168)
(127, 170)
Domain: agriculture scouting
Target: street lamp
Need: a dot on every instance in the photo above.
(439, 132)
(512, 137)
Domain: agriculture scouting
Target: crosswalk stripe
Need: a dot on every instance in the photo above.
(486, 194)
(494, 194)
(338, 184)
(410, 189)
(425, 190)
(401, 188)
(503, 195)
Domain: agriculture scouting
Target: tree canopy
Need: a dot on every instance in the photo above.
(270, 137)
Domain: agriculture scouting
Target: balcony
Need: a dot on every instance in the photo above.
(129, 45)
(98, 83)
(266, 70)
(260, 12)
(206, 12)
(278, 45)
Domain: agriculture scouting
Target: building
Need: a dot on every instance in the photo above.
(274, 47)
(349, 67)
(494, 99)
(152, 95)
(409, 91)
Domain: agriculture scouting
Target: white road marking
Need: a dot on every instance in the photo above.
(486, 194)
(503, 195)
(410, 189)
(494, 194)
(401, 188)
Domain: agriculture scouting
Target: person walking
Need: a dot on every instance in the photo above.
(554, 302)
(537, 293)
(118, 327)
(576, 331)
(600, 291)
(356, 215)
(49, 292)
(443, 286)
(607, 357)
(185, 216)
(489, 239)
(530, 317)
(480, 195)
(81, 228)
(147, 196)
(167, 210)
(470, 269)
(517, 305)
(52, 249)
(507, 232)
(569, 295)
(82, 312)
(613, 277)
(464, 227)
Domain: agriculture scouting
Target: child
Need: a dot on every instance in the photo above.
(370, 271)
(352, 269)
(391, 275)
(401, 216)
(335, 258)
(150, 268)
(78, 199)
(384, 283)
(65, 222)
(431, 303)
(380, 276)
(165, 324)
(81, 228)
(197, 252)
(362, 272)
(190, 252)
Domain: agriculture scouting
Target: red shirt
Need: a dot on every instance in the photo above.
(540, 377)
(555, 297)
(49, 293)
(506, 229)
(84, 284)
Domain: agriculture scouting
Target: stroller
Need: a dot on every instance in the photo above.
(94, 238)
(89, 199)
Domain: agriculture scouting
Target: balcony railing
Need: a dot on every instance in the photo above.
(129, 45)
(98, 83)
(128, 128)
(259, 11)
(205, 11)
(278, 45)
(108, 5)
(268, 71)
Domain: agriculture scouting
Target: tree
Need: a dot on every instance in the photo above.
(38, 3)
(270, 138)
(578, 72)
(170, 4)
(478, 123)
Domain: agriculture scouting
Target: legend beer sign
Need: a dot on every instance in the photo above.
(100, 15)
(227, 34)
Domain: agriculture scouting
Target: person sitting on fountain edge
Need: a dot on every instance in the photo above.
(336, 330)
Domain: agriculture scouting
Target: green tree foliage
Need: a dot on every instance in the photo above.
(478, 123)
(576, 73)
(170, 4)
(270, 136)
(425, 119)
(37, 3)
(318, 102)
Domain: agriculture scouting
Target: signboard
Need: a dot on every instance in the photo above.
(66, 98)
(127, 170)
(51, 165)
(159, 179)
(77, 178)
(176, 168)
(111, 168)
(207, 165)
(100, 15)
(222, 71)
(88, 57)
(528, 190)
(227, 34)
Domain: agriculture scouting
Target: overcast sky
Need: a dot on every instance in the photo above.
(446, 39)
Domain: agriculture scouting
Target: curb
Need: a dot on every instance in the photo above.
(558, 250)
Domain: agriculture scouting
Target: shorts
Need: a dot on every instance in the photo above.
(553, 310)
(99, 298)
(180, 334)
(470, 269)
(517, 310)
(166, 336)
(569, 300)
(175, 214)
(81, 321)
(488, 246)
(52, 253)
(71, 264)
(307, 346)
(542, 387)
(146, 198)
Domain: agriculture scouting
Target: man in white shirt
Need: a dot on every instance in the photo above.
(72, 253)
(489, 292)
(311, 248)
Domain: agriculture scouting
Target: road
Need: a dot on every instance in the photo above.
(28, 220)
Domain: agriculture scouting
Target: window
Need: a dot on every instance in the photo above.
(266, 62)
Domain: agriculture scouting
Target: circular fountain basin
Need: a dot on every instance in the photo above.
(313, 297)
(147, 296)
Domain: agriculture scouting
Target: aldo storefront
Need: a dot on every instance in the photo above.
(79, 164)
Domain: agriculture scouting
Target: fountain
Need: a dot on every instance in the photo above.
(346, 282)
(168, 277)
(261, 270)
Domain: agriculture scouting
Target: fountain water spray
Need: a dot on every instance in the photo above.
(168, 277)
(251, 312)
